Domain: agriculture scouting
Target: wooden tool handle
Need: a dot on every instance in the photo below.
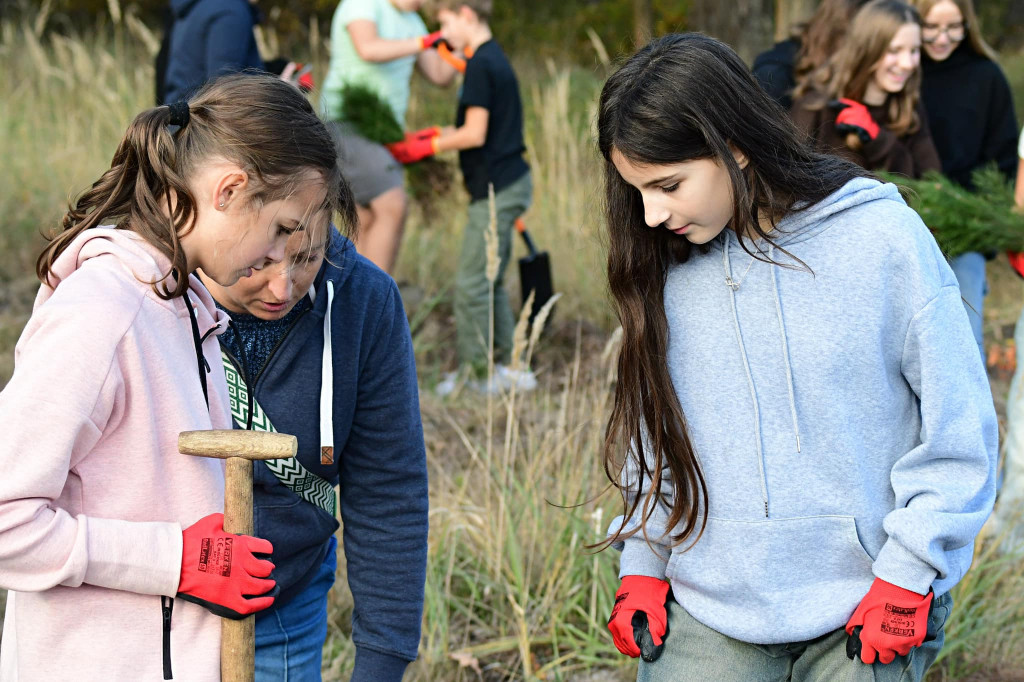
(238, 637)
(235, 443)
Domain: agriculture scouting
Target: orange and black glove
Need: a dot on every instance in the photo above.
(854, 117)
(889, 621)
(639, 622)
(430, 40)
(413, 150)
(220, 572)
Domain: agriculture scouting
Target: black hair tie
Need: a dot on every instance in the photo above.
(179, 114)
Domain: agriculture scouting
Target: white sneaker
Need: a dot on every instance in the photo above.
(447, 385)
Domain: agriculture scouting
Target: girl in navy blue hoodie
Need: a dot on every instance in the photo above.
(319, 347)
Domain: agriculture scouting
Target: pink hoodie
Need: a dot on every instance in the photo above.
(93, 492)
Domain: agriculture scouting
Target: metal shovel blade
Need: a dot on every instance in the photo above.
(534, 273)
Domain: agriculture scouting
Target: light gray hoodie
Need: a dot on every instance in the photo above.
(843, 421)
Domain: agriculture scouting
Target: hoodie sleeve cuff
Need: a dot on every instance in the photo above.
(374, 666)
(133, 556)
(638, 558)
(897, 565)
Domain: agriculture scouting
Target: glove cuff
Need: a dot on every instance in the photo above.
(645, 584)
(894, 593)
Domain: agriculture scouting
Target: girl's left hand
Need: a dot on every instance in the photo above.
(889, 621)
(854, 117)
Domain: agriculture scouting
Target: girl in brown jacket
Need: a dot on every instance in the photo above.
(864, 103)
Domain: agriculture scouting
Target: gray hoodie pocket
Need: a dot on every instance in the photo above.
(775, 580)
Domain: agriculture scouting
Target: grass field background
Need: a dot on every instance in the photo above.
(516, 482)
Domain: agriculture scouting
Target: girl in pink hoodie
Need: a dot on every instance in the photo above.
(102, 522)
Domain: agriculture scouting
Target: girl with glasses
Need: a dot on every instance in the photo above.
(970, 111)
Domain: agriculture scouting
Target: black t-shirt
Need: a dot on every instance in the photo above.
(490, 83)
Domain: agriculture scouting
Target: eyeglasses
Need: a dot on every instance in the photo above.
(954, 32)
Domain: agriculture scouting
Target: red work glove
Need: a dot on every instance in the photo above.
(425, 134)
(1016, 259)
(639, 622)
(430, 40)
(854, 117)
(889, 621)
(411, 151)
(220, 573)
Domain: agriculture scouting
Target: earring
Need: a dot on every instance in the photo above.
(221, 205)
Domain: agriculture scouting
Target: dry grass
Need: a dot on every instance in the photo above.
(511, 593)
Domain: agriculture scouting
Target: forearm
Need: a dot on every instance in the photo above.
(1018, 194)
(434, 69)
(459, 139)
(381, 50)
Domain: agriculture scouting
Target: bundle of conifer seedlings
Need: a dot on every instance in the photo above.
(372, 117)
(981, 219)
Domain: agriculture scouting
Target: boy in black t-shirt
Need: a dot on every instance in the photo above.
(489, 138)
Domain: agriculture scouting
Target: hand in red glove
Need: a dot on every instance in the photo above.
(639, 622)
(1016, 259)
(889, 621)
(430, 40)
(854, 117)
(411, 151)
(220, 573)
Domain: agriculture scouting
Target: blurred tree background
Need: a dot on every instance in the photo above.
(577, 30)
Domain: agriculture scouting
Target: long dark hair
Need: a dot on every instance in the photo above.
(264, 125)
(680, 98)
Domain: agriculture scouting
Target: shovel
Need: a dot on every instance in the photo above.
(534, 272)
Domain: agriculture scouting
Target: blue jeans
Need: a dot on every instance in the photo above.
(969, 269)
(290, 640)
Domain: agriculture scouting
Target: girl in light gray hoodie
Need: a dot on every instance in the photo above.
(799, 377)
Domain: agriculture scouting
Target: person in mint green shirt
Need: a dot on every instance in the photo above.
(378, 43)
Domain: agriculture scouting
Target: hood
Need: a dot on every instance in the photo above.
(805, 223)
(182, 7)
(116, 248)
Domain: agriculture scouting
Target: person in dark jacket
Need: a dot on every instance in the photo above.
(322, 347)
(810, 46)
(204, 39)
(863, 104)
(970, 111)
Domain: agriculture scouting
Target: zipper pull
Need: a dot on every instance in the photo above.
(166, 607)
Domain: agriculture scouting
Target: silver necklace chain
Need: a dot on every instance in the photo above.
(734, 284)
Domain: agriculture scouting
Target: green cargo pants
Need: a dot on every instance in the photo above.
(472, 290)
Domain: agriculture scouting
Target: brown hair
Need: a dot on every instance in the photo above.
(823, 33)
(848, 73)
(680, 98)
(482, 8)
(257, 121)
(970, 17)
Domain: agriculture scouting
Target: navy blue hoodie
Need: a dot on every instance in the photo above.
(379, 460)
(208, 38)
